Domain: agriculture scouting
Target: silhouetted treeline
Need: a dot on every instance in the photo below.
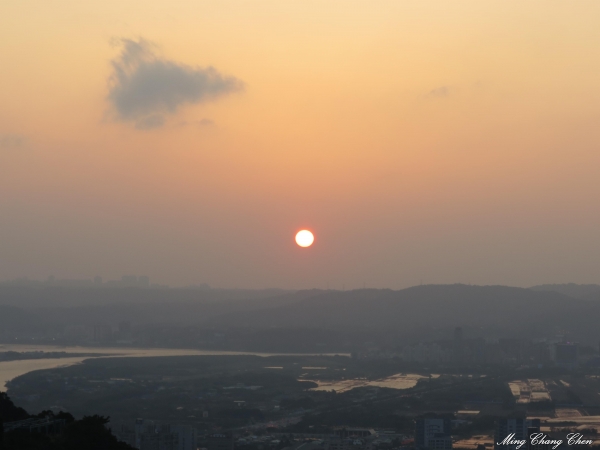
(62, 433)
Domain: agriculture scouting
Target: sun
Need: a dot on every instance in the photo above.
(304, 238)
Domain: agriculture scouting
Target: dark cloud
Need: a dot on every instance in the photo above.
(147, 123)
(11, 141)
(145, 87)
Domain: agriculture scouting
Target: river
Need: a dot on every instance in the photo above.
(12, 369)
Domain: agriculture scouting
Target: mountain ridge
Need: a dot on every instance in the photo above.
(418, 306)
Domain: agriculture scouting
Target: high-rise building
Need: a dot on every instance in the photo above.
(138, 431)
(458, 334)
(124, 326)
(433, 433)
(129, 281)
(186, 436)
(458, 346)
(566, 354)
(102, 333)
(151, 436)
(124, 433)
(219, 441)
(510, 430)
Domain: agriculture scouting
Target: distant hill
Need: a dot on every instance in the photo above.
(63, 305)
(54, 296)
(423, 311)
(580, 291)
(433, 306)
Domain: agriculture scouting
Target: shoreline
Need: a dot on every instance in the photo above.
(9, 370)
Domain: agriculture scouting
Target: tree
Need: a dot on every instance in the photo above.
(89, 433)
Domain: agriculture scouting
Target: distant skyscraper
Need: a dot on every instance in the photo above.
(521, 428)
(138, 430)
(97, 281)
(125, 326)
(186, 437)
(457, 346)
(433, 434)
(129, 281)
(219, 441)
(102, 333)
(144, 282)
(458, 334)
(566, 354)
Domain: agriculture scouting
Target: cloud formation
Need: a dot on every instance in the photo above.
(11, 140)
(198, 123)
(150, 122)
(145, 87)
(205, 122)
(442, 91)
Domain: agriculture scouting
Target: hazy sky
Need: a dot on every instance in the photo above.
(421, 141)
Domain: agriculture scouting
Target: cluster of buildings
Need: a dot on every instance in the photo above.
(147, 435)
(100, 333)
(511, 433)
(509, 351)
(41, 425)
(126, 281)
(431, 433)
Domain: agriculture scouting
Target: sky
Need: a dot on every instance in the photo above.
(421, 141)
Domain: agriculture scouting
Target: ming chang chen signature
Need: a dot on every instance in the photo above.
(542, 439)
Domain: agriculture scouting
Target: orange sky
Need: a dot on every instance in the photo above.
(421, 141)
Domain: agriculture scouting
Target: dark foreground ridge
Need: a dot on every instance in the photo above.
(49, 431)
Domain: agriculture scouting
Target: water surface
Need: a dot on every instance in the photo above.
(12, 369)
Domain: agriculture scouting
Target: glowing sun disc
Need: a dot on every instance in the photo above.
(304, 238)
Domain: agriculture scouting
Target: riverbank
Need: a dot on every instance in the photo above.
(12, 369)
